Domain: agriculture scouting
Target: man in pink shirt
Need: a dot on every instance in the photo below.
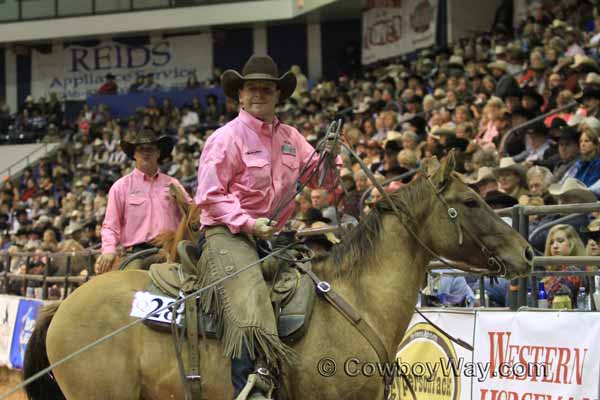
(248, 170)
(140, 205)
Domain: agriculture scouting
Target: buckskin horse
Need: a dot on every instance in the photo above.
(378, 269)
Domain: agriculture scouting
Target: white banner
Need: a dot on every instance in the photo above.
(437, 368)
(538, 355)
(8, 315)
(393, 31)
(75, 72)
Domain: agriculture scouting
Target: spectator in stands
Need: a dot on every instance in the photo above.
(538, 181)
(592, 236)
(563, 240)
(139, 205)
(587, 168)
(136, 86)
(149, 84)
(109, 86)
(506, 83)
(192, 82)
(511, 177)
(484, 182)
(539, 146)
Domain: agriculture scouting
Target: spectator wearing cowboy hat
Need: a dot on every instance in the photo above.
(110, 86)
(539, 147)
(511, 177)
(140, 205)
(484, 182)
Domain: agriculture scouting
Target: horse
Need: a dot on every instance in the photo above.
(378, 268)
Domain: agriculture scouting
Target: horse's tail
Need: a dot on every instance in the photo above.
(36, 359)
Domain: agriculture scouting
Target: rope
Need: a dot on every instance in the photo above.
(137, 321)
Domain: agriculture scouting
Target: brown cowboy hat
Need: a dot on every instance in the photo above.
(261, 68)
(147, 136)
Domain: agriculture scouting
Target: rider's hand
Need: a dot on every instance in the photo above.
(331, 145)
(104, 263)
(262, 229)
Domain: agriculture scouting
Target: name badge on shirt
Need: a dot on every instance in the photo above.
(288, 148)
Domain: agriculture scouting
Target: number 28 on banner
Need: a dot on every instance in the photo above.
(145, 303)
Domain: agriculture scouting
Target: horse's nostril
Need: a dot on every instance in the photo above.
(528, 254)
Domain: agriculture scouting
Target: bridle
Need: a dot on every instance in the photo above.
(492, 259)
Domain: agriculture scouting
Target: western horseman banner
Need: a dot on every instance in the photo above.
(395, 27)
(76, 71)
(538, 355)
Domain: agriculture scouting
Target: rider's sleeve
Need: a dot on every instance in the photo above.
(217, 168)
(113, 221)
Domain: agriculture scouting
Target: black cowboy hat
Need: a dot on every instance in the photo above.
(531, 92)
(110, 76)
(523, 112)
(313, 215)
(591, 91)
(147, 136)
(537, 129)
(497, 198)
(567, 133)
(258, 68)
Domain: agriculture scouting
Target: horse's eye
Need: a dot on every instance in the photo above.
(471, 203)
(195, 226)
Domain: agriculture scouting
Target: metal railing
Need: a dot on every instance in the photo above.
(66, 282)
(9, 170)
(62, 9)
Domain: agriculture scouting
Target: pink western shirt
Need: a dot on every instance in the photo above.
(248, 168)
(139, 208)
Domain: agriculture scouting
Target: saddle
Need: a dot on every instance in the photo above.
(293, 293)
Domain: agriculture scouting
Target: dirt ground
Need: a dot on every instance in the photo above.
(10, 378)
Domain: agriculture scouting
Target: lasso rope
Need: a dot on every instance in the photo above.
(173, 305)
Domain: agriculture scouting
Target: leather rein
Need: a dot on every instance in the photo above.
(350, 313)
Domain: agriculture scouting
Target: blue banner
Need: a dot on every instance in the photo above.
(124, 105)
(26, 316)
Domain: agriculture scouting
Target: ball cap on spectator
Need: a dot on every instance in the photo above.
(574, 188)
(258, 68)
(147, 136)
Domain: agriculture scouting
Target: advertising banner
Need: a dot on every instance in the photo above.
(24, 325)
(393, 28)
(76, 71)
(435, 367)
(538, 355)
(9, 306)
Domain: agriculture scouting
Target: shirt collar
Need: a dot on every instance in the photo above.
(140, 174)
(257, 125)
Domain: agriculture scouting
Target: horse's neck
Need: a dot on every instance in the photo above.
(385, 294)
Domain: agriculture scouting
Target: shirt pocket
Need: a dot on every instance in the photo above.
(136, 210)
(258, 173)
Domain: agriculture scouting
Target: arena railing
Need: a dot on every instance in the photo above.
(66, 282)
(25, 162)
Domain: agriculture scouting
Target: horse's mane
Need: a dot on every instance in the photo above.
(168, 240)
(358, 249)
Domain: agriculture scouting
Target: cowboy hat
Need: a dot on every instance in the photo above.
(147, 136)
(72, 228)
(258, 68)
(508, 164)
(584, 63)
(497, 198)
(574, 188)
(483, 174)
(498, 64)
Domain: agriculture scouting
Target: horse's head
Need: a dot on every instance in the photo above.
(463, 228)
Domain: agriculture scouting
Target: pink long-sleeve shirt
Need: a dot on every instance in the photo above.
(139, 208)
(248, 168)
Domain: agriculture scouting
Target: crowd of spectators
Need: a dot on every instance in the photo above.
(467, 98)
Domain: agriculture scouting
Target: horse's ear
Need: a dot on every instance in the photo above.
(443, 173)
(430, 166)
(183, 205)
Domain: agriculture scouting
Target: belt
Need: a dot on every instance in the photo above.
(139, 247)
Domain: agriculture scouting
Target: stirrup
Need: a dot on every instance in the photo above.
(262, 381)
